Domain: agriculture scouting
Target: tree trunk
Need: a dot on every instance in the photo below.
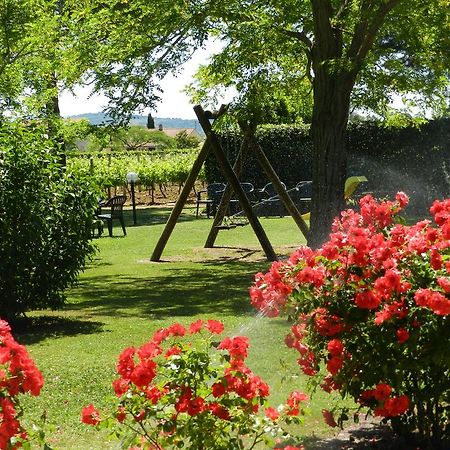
(328, 129)
(335, 68)
(334, 77)
(330, 117)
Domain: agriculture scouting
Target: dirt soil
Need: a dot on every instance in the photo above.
(160, 196)
(367, 434)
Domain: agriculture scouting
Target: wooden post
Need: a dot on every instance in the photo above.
(273, 177)
(237, 188)
(176, 211)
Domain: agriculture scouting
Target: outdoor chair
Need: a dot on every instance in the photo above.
(270, 203)
(301, 195)
(115, 205)
(214, 193)
(351, 185)
(249, 191)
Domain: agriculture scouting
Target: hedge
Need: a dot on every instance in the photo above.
(414, 159)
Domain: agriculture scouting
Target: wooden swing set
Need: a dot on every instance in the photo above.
(232, 174)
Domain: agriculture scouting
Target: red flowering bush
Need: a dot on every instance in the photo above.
(172, 393)
(18, 375)
(371, 310)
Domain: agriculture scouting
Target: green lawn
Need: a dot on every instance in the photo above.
(122, 298)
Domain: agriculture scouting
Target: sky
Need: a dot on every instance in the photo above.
(174, 102)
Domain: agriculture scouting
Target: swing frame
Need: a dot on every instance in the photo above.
(212, 142)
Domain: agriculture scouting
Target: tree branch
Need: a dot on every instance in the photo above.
(328, 37)
(343, 10)
(300, 35)
(366, 31)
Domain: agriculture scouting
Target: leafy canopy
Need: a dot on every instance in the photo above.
(271, 52)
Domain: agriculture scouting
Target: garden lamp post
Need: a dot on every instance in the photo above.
(132, 178)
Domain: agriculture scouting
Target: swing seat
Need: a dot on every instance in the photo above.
(225, 227)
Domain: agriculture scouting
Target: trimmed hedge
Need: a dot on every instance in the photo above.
(415, 160)
(286, 146)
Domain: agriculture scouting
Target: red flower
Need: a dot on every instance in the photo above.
(402, 335)
(313, 275)
(329, 384)
(293, 401)
(444, 283)
(149, 350)
(126, 362)
(435, 259)
(272, 413)
(195, 327)
(393, 407)
(176, 330)
(90, 415)
(402, 199)
(434, 300)
(382, 391)
(121, 414)
(236, 346)
(218, 389)
(214, 326)
(144, 373)
(183, 402)
(219, 411)
(195, 406)
(439, 304)
(367, 300)
(334, 364)
(153, 394)
(335, 347)
(328, 417)
(141, 416)
(160, 335)
(397, 405)
(290, 447)
(120, 386)
(327, 324)
(174, 350)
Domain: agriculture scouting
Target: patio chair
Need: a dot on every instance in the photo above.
(269, 201)
(115, 205)
(249, 191)
(214, 192)
(301, 195)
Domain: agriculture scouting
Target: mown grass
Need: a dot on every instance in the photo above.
(122, 298)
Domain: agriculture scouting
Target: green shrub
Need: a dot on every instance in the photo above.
(46, 222)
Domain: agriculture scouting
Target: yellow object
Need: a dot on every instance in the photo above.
(351, 183)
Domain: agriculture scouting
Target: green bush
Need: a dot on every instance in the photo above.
(46, 222)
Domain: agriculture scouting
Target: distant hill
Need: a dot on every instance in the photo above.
(99, 118)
